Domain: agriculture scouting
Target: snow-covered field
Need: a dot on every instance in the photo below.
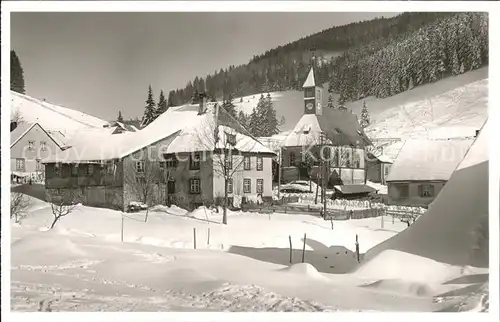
(81, 265)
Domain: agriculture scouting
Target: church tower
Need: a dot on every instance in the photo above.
(312, 93)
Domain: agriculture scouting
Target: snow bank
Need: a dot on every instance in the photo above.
(455, 228)
(306, 270)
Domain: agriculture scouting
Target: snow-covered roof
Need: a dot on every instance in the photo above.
(425, 159)
(179, 129)
(340, 127)
(23, 128)
(51, 117)
(310, 82)
(59, 138)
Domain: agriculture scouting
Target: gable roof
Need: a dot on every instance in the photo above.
(179, 129)
(425, 159)
(22, 129)
(340, 127)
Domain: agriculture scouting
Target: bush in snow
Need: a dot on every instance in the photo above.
(18, 204)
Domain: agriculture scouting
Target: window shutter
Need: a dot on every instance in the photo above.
(420, 190)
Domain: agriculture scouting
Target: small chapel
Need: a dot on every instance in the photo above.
(331, 133)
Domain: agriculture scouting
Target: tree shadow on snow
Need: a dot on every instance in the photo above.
(331, 260)
(187, 215)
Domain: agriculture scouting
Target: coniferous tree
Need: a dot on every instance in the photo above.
(162, 104)
(365, 116)
(171, 99)
(150, 112)
(120, 117)
(330, 101)
(16, 74)
(254, 125)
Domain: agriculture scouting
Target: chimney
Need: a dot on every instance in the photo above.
(13, 125)
(477, 133)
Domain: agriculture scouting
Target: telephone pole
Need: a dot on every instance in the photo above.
(325, 171)
(280, 161)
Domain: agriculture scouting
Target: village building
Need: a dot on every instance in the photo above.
(378, 167)
(30, 143)
(422, 168)
(337, 133)
(183, 157)
(120, 127)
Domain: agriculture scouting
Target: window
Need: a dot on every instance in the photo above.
(140, 179)
(194, 161)
(386, 169)
(162, 165)
(74, 170)
(246, 163)
(291, 159)
(57, 169)
(309, 92)
(260, 185)
(231, 139)
(403, 190)
(247, 185)
(20, 165)
(230, 186)
(90, 169)
(139, 166)
(31, 145)
(426, 190)
(43, 146)
(194, 185)
(111, 168)
(356, 160)
(171, 162)
(260, 165)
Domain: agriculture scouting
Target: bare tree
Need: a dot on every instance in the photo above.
(62, 206)
(225, 145)
(18, 204)
(17, 117)
(143, 176)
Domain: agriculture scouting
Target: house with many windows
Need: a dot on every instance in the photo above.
(185, 157)
(30, 143)
(422, 168)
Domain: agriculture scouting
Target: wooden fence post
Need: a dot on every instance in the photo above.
(123, 218)
(194, 237)
(290, 240)
(304, 248)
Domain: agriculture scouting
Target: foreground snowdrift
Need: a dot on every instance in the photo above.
(455, 228)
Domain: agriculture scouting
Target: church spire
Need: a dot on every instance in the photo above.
(312, 91)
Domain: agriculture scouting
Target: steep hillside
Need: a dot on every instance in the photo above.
(50, 116)
(454, 106)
